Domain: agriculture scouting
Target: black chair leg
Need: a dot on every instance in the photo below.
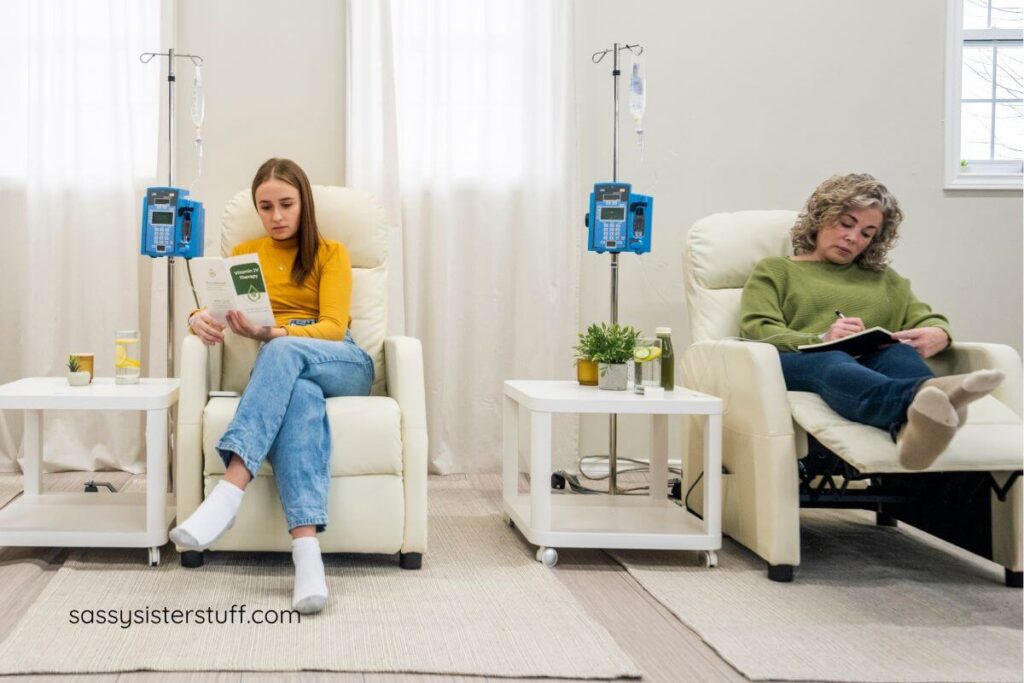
(783, 573)
(885, 519)
(1014, 579)
(192, 558)
(410, 560)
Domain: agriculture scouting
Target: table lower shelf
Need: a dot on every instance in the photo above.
(624, 521)
(101, 519)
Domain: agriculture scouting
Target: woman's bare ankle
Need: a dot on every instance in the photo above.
(237, 473)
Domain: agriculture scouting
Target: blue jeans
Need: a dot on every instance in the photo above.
(282, 415)
(875, 389)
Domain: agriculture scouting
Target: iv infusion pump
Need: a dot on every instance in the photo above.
(619, 219)
(172, 224)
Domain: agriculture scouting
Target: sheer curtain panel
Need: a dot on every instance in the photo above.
(78, 134)
(479, 165)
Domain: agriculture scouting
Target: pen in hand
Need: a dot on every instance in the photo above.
(839, 314)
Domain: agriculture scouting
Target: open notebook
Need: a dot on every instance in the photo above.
(856, 344)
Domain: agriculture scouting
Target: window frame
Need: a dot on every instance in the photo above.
(992, 175)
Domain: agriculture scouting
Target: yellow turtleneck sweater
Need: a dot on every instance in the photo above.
(326, 294)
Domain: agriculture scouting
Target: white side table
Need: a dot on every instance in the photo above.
(104, 518)
(605, 521)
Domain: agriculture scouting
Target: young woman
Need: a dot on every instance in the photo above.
(836, 284)
(307, 357)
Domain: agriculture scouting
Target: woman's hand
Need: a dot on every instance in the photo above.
(844, 327)
(206, 327)
(927, 341)
(241, 326)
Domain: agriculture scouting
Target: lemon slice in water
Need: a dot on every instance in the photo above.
(642, 354)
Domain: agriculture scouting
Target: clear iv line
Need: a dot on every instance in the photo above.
(638, 100)
(198, 114)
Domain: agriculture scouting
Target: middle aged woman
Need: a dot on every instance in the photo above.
(837, 284)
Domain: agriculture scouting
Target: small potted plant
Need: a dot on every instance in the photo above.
(76, 376)
(586, 366)
(612, 347)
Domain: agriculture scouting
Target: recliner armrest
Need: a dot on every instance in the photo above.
(964, 357)
(403, 370)
(192, 398)
(195, 380)
(747, 376)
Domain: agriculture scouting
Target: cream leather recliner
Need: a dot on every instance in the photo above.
(971, 496)
(378, 493)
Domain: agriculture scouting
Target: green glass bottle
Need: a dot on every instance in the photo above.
(668, 361)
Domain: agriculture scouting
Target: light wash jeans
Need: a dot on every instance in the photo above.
(282, 415)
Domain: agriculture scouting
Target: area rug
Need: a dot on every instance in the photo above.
(868, 604)
(481, 605)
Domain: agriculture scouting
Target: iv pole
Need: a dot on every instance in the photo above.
(146, 58)
(613, 422)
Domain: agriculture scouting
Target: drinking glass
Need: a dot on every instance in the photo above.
(127, 358)
(646, 364)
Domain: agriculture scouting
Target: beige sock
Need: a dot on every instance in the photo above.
(931, 423)
(962, 389)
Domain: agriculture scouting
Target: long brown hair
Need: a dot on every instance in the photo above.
(309, 236)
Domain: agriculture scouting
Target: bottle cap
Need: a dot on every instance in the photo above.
(662, 330)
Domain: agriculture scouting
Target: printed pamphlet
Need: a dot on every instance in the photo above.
(233, 283)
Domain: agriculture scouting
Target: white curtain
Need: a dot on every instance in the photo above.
(78, 142)
(461, 120)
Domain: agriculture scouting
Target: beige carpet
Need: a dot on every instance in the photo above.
(481, 605)
(868, 604)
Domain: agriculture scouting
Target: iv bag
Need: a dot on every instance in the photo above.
(198, 101)
(637, 91)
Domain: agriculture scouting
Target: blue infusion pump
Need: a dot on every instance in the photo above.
(172, 224)
(619, 220)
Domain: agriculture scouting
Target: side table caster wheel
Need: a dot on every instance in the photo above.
(709, 558)
(549, 556)
(154, 556)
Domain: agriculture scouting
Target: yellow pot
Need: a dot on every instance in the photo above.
(586, 372)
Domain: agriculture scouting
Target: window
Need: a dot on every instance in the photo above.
(985, 95)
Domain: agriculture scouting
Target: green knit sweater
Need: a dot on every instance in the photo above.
(797, 300)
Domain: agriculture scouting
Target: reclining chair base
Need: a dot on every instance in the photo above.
(195, 558)
(953, 506)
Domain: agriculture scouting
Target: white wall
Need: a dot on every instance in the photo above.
(274, 77)
(750, 105)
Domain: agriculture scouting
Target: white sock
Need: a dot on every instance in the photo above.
(310, 594)
(211, 519)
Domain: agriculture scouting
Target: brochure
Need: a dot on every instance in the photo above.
(234, 283)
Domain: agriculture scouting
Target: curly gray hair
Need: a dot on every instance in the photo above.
(841, 193)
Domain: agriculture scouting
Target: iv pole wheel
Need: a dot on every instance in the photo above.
(709, 558)
(154, 556)
(548, 556)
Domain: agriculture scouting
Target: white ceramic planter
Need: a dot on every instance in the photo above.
(612, 376)
(78, 379)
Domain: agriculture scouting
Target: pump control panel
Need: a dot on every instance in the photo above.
(172, 224)
(619, 220)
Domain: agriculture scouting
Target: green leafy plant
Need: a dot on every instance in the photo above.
(606, 343)
(72, 364)
(585, 348)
